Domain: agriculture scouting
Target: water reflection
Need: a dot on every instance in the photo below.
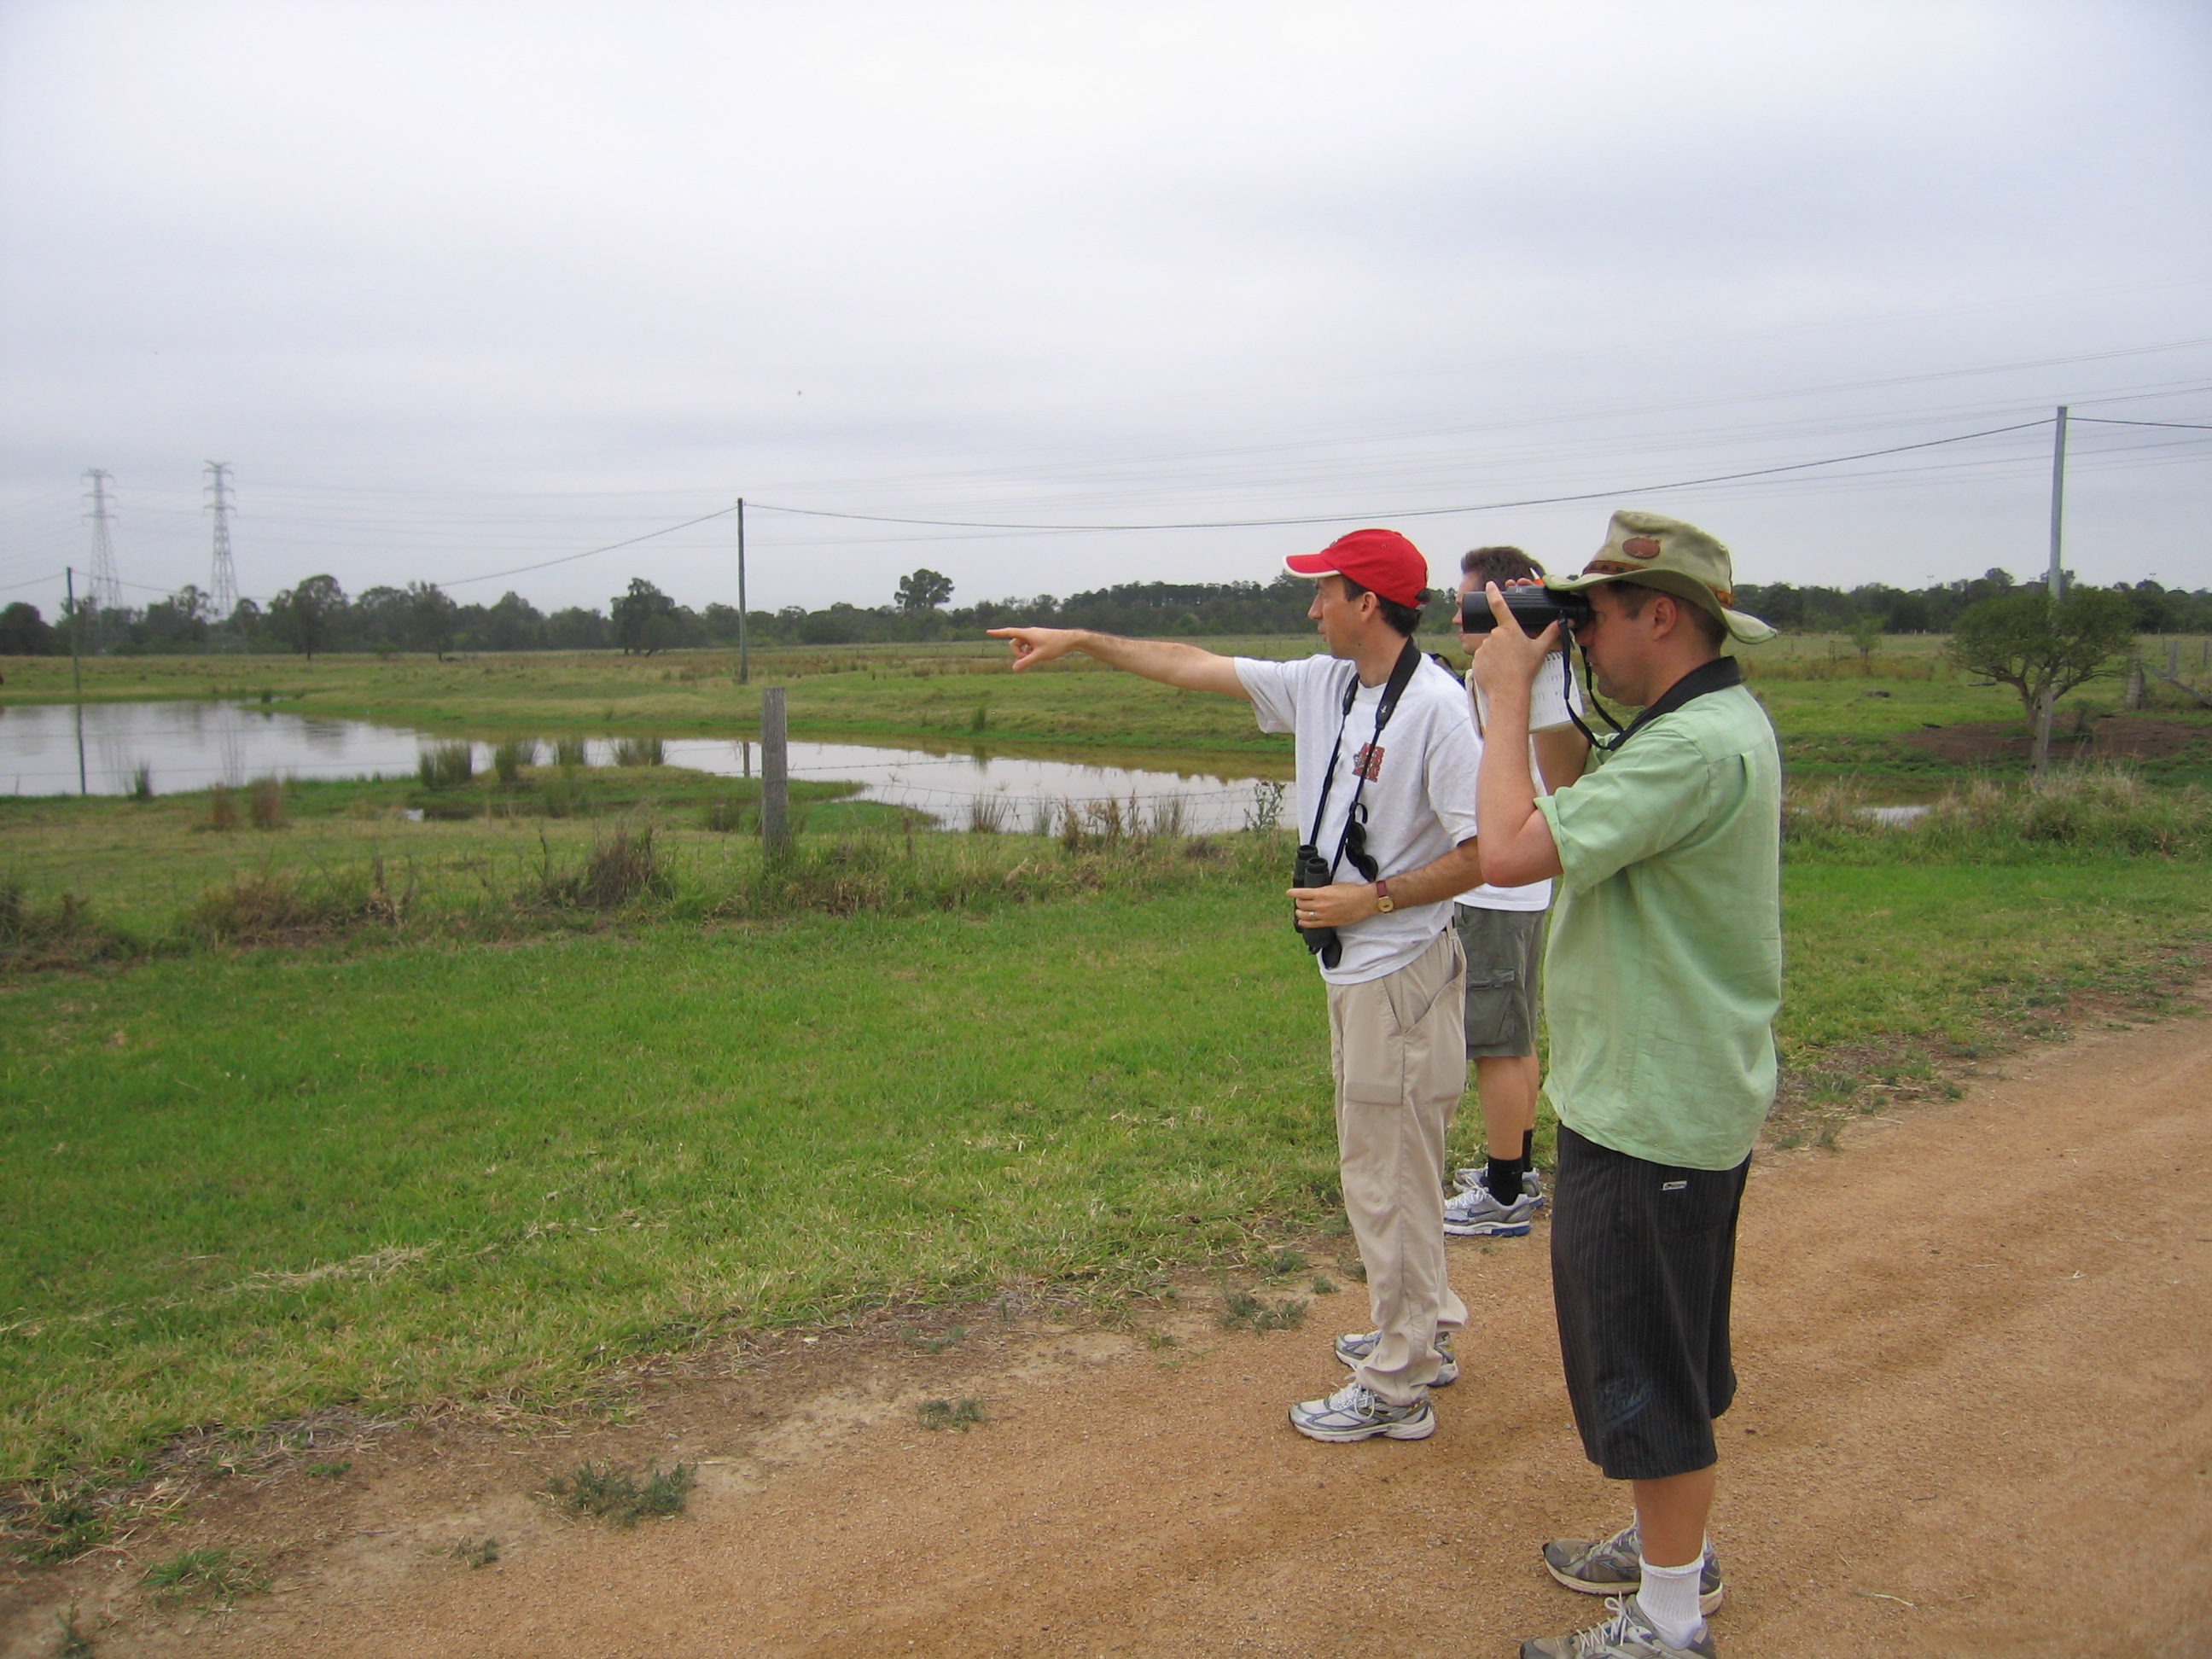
(193, 744)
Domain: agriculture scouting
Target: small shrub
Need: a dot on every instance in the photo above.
(141, 782)
(572, 751)
(727, 815)
(511, 755)
(1279, 1264)
(479, 1552)
(212, 1575)
(616, 1494)
(265, 803)
(1266, 810)
(446, 765)
(962, 1414)
(987, 814)
(222, 812)
(616, 872)
(640, 751)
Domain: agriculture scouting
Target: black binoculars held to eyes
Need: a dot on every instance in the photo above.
(1534, 608)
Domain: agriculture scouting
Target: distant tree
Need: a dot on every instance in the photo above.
(644, 619)
(308, 618)
(429, 618)
(25, 633)
(2044, 650)
(1865, 634)
(923, 590)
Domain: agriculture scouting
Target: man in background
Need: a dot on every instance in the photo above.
(1501, 929)
(1664, 975)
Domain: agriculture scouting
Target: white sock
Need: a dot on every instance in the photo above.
(1669, 1596)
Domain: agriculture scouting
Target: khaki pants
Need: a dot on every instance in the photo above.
(1397, 1049)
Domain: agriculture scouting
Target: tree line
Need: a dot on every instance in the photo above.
(317, 615)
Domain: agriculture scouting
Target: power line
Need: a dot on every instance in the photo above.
(570, 558)
(2178, 426)
(1415, 513)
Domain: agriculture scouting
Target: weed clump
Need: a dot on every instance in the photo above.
(617, 872)
(59, 1525)
(964, 1414)
(617, 1496)
(265, 803)
(511, 756)
(1241, 1311)
(63, 932)
(570, 752)
(477, 1552)
(69, 1641)
(211, 1575)
(222, 812)
(446, 765)
(640, 751)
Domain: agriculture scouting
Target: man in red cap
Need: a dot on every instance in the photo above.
(1387, 760)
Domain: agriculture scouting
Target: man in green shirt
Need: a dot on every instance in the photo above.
(1661, 979)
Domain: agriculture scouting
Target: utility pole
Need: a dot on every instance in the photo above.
(222, 580)
(104, 588)
(2055, 586)
(76, 674)
(744, 648)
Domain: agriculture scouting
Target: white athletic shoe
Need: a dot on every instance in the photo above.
(1355, 1345)
(1353, 1412)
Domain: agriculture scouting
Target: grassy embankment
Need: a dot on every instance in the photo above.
(1838, 714)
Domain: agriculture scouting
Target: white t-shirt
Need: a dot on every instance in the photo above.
(1554, 693)
(1419, 800)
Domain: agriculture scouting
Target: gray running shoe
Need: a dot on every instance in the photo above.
(1532, 1184)
(1614, 1566)
(1626, 1635)
(1355, 1345)
(1353, 1412)
(1475, 1214)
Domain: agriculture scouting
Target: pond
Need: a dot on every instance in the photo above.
(56, 749)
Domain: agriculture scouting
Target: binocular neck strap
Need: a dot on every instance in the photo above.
(1402, 673)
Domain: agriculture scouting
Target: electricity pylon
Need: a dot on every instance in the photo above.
(222, 580)
(104, 592)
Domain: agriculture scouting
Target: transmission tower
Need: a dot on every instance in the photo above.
(223, 581)
(105, 590)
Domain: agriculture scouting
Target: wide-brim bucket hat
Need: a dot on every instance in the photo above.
(1676, 558)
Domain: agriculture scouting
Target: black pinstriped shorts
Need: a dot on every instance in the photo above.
(1642, 1260)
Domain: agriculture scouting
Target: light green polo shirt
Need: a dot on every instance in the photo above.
(1663, 973)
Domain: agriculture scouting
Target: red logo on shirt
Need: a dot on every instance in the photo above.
(1368, 763)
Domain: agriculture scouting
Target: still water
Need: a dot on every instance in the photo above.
(192, 744)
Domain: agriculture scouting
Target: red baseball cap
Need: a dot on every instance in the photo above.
(1381, 560)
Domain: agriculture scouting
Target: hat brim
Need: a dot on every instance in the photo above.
(1742, 627)
(1310, 564)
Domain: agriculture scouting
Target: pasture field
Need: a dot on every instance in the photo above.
(485, 1151)
(1838, 714)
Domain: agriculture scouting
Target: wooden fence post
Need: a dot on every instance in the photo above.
(775, 774)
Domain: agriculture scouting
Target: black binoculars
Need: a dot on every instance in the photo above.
(1534, 608)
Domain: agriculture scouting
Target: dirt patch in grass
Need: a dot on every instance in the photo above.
(2105, 738)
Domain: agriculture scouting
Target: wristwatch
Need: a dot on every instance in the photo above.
(1383, 901)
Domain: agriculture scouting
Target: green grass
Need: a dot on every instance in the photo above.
(235, 1188)
(614, 1494)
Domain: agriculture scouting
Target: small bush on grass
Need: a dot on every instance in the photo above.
(617, 872)
(274, 906)
(212, 1575)
(63, 932)
(446, 765)
(618, 1496)
(222, 812)
(729, 815)
(511, 756)
(964, 1414)
(265, 803)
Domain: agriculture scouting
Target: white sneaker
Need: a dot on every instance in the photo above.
(1532, 1184)
(1353, 1412)
(1475, 1214)
(1355, 1345)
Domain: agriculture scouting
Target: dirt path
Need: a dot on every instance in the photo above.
(1976, 1417)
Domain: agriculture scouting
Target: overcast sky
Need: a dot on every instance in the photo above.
(457, 288)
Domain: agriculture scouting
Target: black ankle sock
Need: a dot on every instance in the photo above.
(1504, 1180)
(1528, 1150)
